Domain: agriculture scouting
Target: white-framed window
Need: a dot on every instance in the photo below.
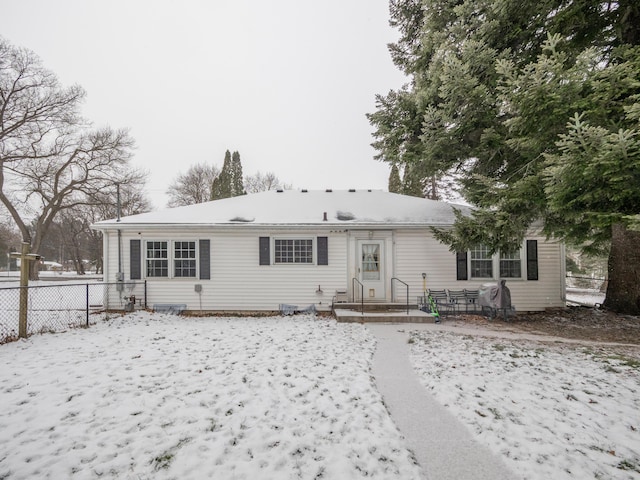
(184, 259)
(483, 265)
(171, 259)
(520, 263)
(293, 250)
(481, 262)
(157, 259)
(511, 264)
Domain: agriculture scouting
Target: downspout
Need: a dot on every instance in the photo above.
(563, 272)
(119, 275)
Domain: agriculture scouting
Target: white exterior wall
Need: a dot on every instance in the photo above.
(418, 252)
(239, 283)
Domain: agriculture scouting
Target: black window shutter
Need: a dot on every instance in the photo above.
(532, 260)
(323, 251)
(135, 271)
(461, 266)
(265, 251)
(205, 259)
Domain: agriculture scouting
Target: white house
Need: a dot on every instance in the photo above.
(255, 252)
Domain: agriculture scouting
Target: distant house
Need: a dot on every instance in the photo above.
(255, 252)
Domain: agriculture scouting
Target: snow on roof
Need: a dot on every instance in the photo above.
(301, 207)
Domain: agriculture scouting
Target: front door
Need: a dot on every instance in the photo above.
(371, 269)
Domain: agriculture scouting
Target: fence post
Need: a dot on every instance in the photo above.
(24, 291)
(25, 257)
(87, 304)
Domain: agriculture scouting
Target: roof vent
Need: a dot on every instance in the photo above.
(324, 217)
(328, 190)
(304, 190)
(279, 190)
(352, 190)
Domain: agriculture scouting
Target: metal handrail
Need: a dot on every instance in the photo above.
(353, 290)
(406, 285)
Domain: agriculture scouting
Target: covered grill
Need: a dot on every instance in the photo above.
(495, 299)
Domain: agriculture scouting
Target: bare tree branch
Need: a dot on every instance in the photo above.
(192, 187)
(51, 160)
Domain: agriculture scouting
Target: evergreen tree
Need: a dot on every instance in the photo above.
(395, 184)
(495, 89)
(229, 182)
(413, 181)
(221, 185)
(237, 185)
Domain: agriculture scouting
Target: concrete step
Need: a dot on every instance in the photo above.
(375, 306)
(390, 316)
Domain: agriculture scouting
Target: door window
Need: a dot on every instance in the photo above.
(371, 261)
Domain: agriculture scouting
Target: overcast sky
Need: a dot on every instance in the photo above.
(286, 83)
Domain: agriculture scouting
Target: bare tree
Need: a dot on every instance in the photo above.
(133, 201)
(192, 187)
(51, 159)
(9, 241)
(263, 182)
(72, 233)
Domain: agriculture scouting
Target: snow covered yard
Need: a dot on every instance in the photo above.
(154, 396)
(551, 410)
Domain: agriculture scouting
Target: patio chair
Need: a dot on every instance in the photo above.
(471, 299)
(441, 299)
(457, 300)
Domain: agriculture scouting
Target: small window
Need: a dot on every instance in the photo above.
(184, 259)
(481, 262)
(293, 251)
(510, 265)
(157, 259)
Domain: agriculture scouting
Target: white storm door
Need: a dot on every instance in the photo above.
(371, 269)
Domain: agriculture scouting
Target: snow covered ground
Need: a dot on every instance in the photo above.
(584, 296)
(552, 410)
(156, 396)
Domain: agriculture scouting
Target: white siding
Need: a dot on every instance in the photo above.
(417, 252)
(239, 283)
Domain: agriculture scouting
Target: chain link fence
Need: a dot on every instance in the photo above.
(585, 291)
(56, 308)
(592, 283)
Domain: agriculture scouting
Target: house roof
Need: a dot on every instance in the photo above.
(301, 207)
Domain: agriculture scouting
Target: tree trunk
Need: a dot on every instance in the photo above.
(34, 269)
(623, 290)
(77, 256)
